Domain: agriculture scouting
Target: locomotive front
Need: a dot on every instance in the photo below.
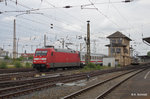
(40, 59)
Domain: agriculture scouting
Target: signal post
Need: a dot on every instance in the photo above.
(87, 56)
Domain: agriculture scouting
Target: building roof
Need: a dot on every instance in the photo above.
(27, 54)
(144, 56)
(118, 34)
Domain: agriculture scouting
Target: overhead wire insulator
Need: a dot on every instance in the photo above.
(67, 7)
(51, 26)
(126, 1)
(16, 2)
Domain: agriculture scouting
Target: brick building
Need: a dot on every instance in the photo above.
(119, 48)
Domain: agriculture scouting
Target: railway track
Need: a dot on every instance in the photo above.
(26, 86)
(31, 79)
(17, 74)
(101, 89)
(26, 75)
(14, 70)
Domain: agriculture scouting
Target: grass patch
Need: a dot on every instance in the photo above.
(3, 65)
(28, 65)
(6, 64)
(93, 67)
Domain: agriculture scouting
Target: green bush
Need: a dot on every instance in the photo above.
(98, 67)
(6, 58)
(17, 64)
(28, 65)
(30, 58)
(3, 65)
(19, 59)
(91, 65)
(86, 67)
(119, 65)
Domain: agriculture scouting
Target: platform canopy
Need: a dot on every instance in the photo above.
(147, 40)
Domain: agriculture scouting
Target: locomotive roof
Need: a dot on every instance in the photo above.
(59, 50)
(65, 50)
(95, 54)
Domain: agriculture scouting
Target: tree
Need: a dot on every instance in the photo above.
(6, 58)
(30, 58)
(148, 53)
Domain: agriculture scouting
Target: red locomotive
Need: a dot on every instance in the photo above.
(50, 58)
(46, 58)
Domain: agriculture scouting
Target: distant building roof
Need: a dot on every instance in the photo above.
(118, 34)
(27, 54)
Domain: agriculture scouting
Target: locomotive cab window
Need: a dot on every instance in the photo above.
(41, 53)
(44, 53)
(37, 53)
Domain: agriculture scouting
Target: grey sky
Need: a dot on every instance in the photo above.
(106, 16)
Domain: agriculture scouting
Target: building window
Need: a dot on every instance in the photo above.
(120, 41)
(113, 41)
(118, 50)
(83, 57)
(125, 50)
(112, 50)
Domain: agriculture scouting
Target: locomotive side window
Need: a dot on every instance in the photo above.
(52, 54)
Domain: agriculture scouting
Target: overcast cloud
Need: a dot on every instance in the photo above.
(106, 17)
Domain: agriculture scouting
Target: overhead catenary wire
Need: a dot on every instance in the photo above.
(31, 9)
(104, 14)
(123, 17)
(65, 12)
(76, 18)
(32, 20)
(47, 19)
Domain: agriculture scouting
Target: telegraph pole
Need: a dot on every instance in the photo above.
(17, 47)
(45, 40)
(63, 43)
(94, 46)
(88, 44)
(14, 41)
